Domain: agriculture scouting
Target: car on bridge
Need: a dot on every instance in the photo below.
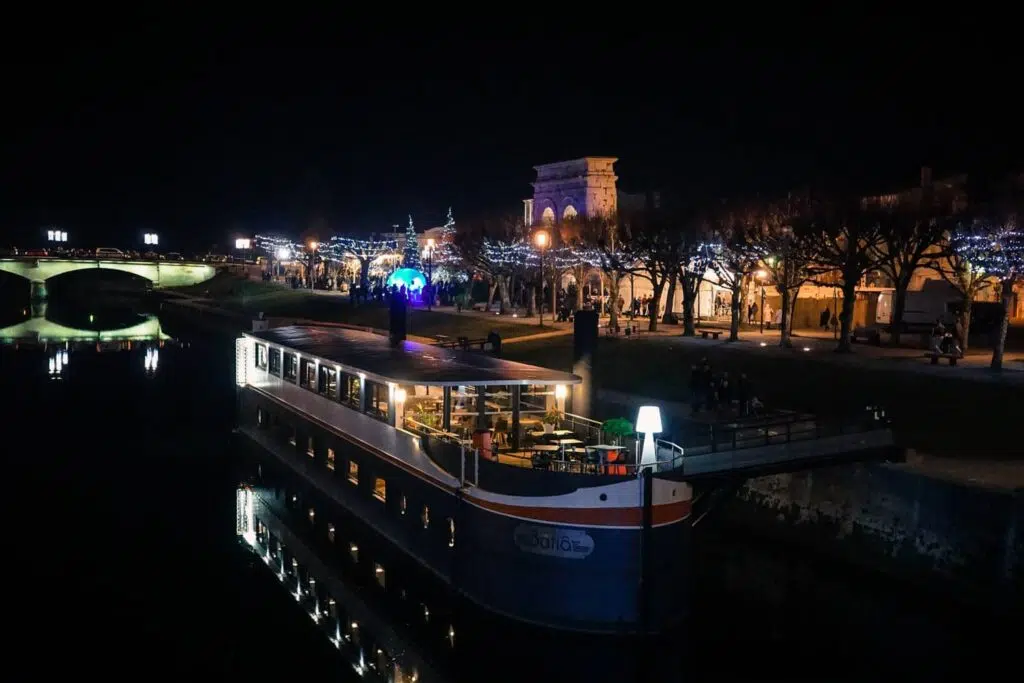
(109, 252)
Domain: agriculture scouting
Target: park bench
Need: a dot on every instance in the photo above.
(709, 333)
(935, 356)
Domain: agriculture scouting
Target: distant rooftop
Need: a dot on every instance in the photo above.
(409, 362)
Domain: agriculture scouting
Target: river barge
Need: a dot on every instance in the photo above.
(445, 454)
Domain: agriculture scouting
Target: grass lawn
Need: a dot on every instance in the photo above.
(934, 414)
(253, 296)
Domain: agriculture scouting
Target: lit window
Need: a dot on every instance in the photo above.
(259, 417)
(353, 471)
(379, 575)
(402, 505)
(330, 533)
(353, 550)
(425, 517)
(330, 458)
(380, 489)
(312, 514)
(451, 532)
(310, 451)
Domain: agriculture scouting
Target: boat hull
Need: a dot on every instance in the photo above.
(534, 562)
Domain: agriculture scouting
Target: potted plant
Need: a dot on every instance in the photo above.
(616, 429)
(550, 420)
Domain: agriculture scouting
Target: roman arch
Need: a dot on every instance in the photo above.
(566, 189)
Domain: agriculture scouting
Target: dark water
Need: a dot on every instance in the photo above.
(123, 559)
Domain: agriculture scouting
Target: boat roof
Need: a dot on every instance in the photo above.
(409, 362)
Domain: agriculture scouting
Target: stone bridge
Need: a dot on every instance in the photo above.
(160, 273)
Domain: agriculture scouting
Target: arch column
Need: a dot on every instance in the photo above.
(37, 291)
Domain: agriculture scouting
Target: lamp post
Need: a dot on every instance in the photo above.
(151, 239)
(428, 259)
(761, 275)
(540, 238)
(54, 235)
(313, 246)
(648, 423)
(243, 244)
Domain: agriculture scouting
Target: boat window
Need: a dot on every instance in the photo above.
(260, 420)
(291, 367)
(310, 448)
(380, 489)
(451, 532)
(425, 516)
(377, 399)
(327, 382)
(423, 410)
(402, 506)
(330, 458)
(275, 361)
(261, 356)
(330, 533)
(353, 551)
(292, 436)
(353, 471)
(307, 374)
(380, 575)
(349, 394)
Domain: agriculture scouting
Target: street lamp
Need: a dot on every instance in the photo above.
(761, 275)
(648, 423)
(313, 246)
(56, 236)
(540, 238)
(244, 244)
(428, 257)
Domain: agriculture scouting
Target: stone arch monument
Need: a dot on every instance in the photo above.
(565, 189)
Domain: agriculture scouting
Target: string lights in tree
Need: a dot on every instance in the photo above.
(366, 251)
(996, 250)
(411, 253)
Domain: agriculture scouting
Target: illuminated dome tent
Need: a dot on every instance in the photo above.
(410, 278)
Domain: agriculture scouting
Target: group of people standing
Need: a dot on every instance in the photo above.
(714, 393)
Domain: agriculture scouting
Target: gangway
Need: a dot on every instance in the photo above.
(755, 447)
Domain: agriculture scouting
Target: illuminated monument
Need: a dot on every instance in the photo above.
(565, 189)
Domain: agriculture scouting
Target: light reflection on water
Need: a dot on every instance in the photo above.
(131, 457)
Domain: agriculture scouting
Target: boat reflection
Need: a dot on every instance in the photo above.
(105, 330)
(390, 620)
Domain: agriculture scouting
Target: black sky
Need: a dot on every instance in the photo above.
(199, 128)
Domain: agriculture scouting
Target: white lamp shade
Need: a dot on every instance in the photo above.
(648, 420)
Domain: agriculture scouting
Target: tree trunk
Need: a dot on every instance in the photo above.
(364, 275)
(492, 287)
(531, 301)
(690, 293)
(846, 315)
(785, 331)
(580, 275)
(899, 307)
(737, 300)
(672, 281)
(1004, 324)
(654, 306)
(613, 301)
(505, 301)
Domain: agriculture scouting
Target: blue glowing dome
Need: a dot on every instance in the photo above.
(412, 279)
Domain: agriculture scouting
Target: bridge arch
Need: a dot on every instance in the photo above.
(160, 273)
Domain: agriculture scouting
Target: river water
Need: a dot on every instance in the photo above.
(123, 558)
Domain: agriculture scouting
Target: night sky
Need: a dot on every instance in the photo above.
(198, 129)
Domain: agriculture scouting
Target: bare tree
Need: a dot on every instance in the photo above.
(959, 266)
(737, 258)
(785, 253)
(910, 236)
(655, 245)
(698, 255)
(845, 241)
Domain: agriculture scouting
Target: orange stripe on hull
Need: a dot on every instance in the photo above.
(618, 517)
